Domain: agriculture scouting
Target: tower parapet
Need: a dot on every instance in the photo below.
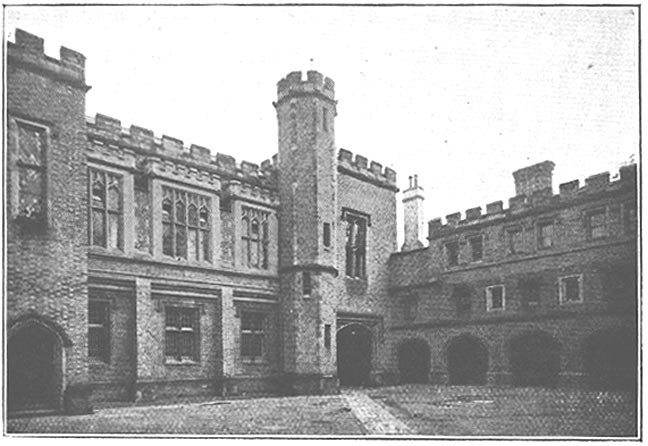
(29, 50)
(315, 83)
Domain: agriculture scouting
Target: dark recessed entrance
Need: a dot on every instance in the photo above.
(414, 361)
(467, 361)
(354, 355)
(610, 360)
(535, 360)
(33, 369)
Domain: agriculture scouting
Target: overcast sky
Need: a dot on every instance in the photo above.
(462, 96)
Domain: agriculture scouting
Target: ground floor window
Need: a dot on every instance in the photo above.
(182, 337)
(252, 335)
(570, 289)
(99, 330)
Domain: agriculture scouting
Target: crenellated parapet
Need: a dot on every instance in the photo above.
(29, 50)
(571, 192)
(360, 167)
(114, 143)
(315, 83)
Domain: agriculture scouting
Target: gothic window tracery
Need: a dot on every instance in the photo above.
(185, 225)
(105, 209)
(255, 238)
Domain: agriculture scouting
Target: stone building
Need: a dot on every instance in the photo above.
(140, 268)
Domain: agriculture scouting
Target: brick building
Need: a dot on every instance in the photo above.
(139, 268)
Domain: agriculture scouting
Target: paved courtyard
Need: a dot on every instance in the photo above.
(403, 410)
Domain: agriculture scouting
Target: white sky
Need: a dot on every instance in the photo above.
(462, 96)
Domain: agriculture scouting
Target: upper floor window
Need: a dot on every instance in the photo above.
(630, 218)
(186, 225)
(105, 216)
(325, 119)
(307, 284)
(256, 238)
(476, 248)
(495, 298)
(182, 339)
(529, 289)
(31, 171)
(545, 234)
(596, 224)
(462, 297)
(570, 289)
(514, 240)
(356, 245)
(452, 253)
(293, 124)
(99, 330)
(326, 235)
(253, 334)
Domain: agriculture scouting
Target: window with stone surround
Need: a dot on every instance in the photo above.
(186, 225)
(570, 289)
(545, 234)
(495, 298)
(596, 224)
(452, 253)
(255, 237)
(182, 334)
(253, 335)
(476, 248)
(356, 244)
(99, 330)
(32, 142)
(514, 240)
(630, 218)
(105, 215)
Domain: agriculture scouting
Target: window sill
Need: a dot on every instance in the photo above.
(174, 362)
(252, 361)
(571, 302)
(97, 362)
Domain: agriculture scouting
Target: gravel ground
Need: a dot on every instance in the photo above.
(508, 411)
(315, 415)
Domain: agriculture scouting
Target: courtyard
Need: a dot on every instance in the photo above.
(408, 410)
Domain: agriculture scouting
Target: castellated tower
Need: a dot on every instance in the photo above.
(307, 248)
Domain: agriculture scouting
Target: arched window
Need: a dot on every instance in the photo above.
(255, 237)
(186, 231)
(356, 244)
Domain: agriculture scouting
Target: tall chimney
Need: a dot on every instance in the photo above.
(533, 178)
(414, 219)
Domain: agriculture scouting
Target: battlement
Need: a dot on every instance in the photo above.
(315, 83)
(360, 167)
(106, 130)
(540, 198)
(29, 50)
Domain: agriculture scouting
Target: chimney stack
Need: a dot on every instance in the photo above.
(414, 220)
(533, 178)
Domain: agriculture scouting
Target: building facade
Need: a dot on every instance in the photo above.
(140, 268)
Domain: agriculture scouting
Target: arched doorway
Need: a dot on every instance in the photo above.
(535, 359)
(414, 361)
(34, 377)
(354, 355)
(610, 359)
(467, 361)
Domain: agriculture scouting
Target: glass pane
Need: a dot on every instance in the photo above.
(171, 344)
(166, 210)
(246, 227)
(181, 241)
(193, 215)
(114, 232)
(192, 246)
(94, 341)
(265, 256)
(255, 228)
(204, 242)
(254, 254)
(204, 217)
(98, 190)
(98, 228)
(167, 240)
(572, 289)
(187, 346)
(172, 317)
(180, 212)
(31, 141)
(31, 192)
(114, 196)
(187, 318)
